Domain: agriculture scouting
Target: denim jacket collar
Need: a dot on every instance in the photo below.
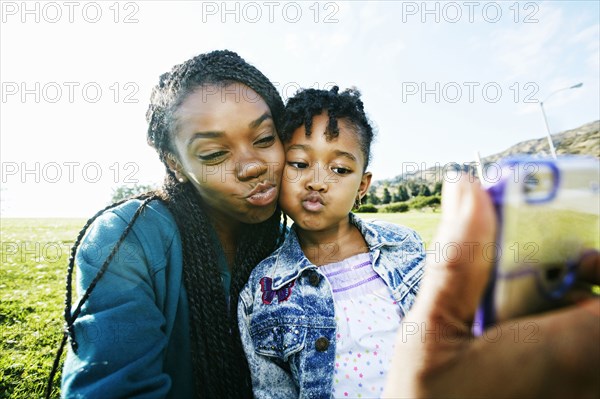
(291, 262)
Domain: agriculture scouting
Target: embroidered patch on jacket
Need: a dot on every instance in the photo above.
(266, 286)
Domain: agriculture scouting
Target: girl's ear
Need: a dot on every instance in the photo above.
(176, 167)
(365, 183)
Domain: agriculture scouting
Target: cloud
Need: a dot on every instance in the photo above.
(588, 38)
(531, 49)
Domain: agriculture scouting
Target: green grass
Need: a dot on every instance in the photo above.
(34, 254)
(534, 228)
(425, 222)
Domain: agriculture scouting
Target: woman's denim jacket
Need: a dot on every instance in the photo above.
(286, 311)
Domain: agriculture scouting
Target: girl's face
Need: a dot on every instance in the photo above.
(321, 178)
(227, 147)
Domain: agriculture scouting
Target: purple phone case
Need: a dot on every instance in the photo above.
(486, 312)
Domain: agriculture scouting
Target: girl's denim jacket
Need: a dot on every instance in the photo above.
(286, 311)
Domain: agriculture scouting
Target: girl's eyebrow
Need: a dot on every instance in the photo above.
(338, 153)
(345, 154)
(301, 147)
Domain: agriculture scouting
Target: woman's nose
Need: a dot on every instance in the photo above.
(250, 169)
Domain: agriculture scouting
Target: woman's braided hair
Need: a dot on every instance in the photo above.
(220, 367)
(347, 105)
(219, 363)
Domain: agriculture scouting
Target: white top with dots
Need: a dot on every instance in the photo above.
(367, 320)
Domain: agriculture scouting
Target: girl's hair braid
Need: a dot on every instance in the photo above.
(308, 103)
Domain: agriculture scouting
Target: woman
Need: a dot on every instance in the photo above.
(160, 321)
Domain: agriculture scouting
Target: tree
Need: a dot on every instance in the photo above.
(424, 191)
(387, 198)
(123, 192)
(437, 189)
(413, 188)
(372, 197)
(402, 193)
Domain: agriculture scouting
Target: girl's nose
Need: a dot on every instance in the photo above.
(316, 180)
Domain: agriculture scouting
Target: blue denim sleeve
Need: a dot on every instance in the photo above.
(269, 379)
(418, 257)
(120, 332)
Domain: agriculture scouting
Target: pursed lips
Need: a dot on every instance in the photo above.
(313, 202)
(262, 194)
(260, 188)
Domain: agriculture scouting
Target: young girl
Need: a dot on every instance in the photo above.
(319, 316)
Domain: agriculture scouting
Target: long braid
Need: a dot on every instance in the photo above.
(220, 368)
(69, 316)
(228, 372)
(207, 302)
(249, 254)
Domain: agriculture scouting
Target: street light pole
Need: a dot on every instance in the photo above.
(550, 143)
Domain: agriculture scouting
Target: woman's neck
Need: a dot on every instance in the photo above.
(332, 245)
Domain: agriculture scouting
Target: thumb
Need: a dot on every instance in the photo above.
(456, 273)
(459, 262)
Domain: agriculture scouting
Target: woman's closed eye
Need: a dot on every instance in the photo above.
(213, 156)
(265, 141)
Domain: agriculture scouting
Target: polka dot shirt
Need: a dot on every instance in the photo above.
(367, 320)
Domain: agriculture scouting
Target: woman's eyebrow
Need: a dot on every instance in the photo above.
(216, 134)
(204, 135)
(256, 123)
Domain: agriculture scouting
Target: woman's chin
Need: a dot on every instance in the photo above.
(259, 214)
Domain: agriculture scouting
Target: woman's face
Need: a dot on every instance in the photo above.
(227, 147)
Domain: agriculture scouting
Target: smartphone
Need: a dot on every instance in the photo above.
(548, 215)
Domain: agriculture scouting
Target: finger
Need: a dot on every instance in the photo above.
(434, 332)
(589, 267)
(588, 278)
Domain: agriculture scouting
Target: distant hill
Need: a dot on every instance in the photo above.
(582, 140)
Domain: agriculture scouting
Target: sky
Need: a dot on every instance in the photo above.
(441, 81)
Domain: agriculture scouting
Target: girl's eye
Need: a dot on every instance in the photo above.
(298, 165)
(266, 141)
(212, 156)
(340, 171)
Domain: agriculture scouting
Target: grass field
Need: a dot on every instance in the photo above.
(424, 223)
(34, 254)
